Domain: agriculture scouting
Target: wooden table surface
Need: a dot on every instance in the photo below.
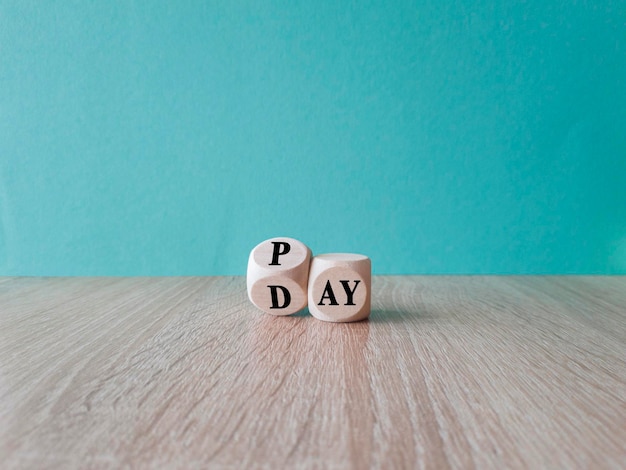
(462, 372)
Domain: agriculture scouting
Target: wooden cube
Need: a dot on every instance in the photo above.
(340, 287)
(277, 277)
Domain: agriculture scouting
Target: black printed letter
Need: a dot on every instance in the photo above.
(286, 295)
(330, 296)
(277, 252)
(349, 293)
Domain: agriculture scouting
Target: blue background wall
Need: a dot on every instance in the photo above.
(146, 137)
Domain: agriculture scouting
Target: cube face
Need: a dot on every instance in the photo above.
(278, 295)
(340, 287)
(281, 254)
(277, 275)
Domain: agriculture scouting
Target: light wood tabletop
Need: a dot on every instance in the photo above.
(460, 372)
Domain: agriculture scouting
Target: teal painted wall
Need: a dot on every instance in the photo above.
(167, 138)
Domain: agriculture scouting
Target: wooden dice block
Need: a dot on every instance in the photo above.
(340, 287)
(278, 272)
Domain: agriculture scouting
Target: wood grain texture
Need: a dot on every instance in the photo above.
(449, 372)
